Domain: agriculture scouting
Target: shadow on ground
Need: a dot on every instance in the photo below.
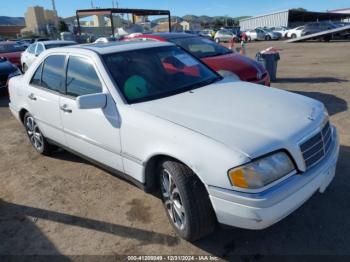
(310, 80)
(20, 235)
(333, 103)
(320, 227)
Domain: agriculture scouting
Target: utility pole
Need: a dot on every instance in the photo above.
(53, 5)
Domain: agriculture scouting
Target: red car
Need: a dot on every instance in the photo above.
(12, 51)
(217, 57)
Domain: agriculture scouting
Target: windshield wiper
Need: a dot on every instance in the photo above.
(204, 83)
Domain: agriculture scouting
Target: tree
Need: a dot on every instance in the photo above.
(300, 9)
(62, 26)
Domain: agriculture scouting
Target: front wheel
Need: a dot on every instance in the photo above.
(36, 137)
(186, 201)
(268, 38)
(217, 40)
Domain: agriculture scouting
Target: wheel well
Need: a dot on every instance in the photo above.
(22, 112)
(151, 178)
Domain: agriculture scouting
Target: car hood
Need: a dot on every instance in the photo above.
(247, 69)
(242, 116)
(6, 67)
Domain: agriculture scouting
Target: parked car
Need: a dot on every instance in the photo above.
(207, 33)
(271, 35)
(256, 34)
(104, 40)
(216, 56)
(216, 149)
(281, 29)
(312, 28)
(12, 51)
(35, 49)
(295, 32)
(7, 70)
(224, 35)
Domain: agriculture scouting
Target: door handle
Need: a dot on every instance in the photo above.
(65, 109)
(32, 97)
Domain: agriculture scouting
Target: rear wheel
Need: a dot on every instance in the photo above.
(294, 36)
(268, 38)
(217, 40)
(186, 201)
(36, 137)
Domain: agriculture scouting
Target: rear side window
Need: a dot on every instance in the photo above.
(39, 49)
(53, 73)
(82, 78)
(36, 80)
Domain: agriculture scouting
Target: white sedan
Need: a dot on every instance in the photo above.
(217, 150)
(295, 32)
(35, 49)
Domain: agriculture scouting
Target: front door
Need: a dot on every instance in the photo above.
(94, 133)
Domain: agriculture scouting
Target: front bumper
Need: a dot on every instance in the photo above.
(258, 211)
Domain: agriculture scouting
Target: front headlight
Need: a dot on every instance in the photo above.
(228, 75)
(262, 171)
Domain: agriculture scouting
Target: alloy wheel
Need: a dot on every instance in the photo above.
(172, 200)
(34, 133)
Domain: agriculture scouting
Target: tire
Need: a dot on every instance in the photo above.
(195, 217)
(36, 137)
(249, 39)
(217, 40)
(268, 38)
(294, 36)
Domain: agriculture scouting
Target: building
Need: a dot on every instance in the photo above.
(10, 31)
(342, 11)
(190, 26)
(38, 20)
(164, 27)
(289, 18)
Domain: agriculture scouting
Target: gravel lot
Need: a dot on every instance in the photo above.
(64, 205)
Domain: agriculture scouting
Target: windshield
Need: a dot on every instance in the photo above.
(201, 47)
(48, 46)
(152, 73)
(10, 48)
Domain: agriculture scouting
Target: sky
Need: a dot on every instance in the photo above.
(232, 8)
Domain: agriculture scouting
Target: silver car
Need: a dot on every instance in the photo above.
(224, 35)
(271, 35)
(256, 34)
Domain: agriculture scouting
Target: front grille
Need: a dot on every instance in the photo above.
(3, 80)
(317, 147)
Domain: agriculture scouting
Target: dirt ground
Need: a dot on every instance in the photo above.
(64, 205)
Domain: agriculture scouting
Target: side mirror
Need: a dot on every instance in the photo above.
(92, 101)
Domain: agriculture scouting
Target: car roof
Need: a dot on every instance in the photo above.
(171, 35)
(8, 43)
(55, 42)
(111, 47)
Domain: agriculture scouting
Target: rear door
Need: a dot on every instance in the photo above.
(45, 88)
(94, 133)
